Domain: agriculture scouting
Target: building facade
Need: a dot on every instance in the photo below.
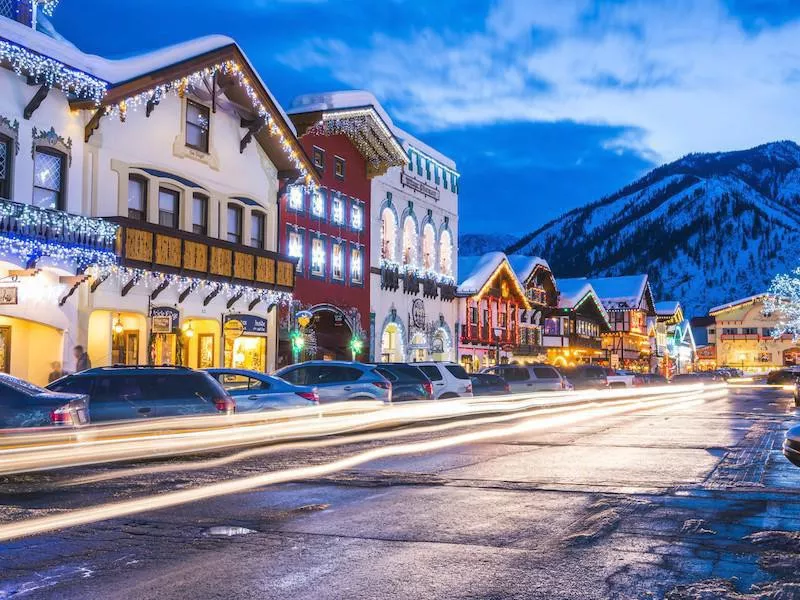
(491, 299)
(328, 229)
(576, 326)
(743, 337)
(161, 175)
(534, 275)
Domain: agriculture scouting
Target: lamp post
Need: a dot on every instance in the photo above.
(498, 331)
(742, 356)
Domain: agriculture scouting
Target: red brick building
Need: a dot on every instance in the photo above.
(327, 228)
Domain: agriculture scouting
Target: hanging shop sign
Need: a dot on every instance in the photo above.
(8, 295)
(418, 313)
(164, 319)
(237, 325)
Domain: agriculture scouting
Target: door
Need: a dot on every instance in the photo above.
(117, 398)
(5, 349)
(250, 394)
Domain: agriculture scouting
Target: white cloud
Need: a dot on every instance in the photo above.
(684, 73)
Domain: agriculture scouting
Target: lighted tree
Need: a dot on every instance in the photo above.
(784, 301)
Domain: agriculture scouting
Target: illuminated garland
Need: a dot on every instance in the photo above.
(52, 72)
(48, 6)
(420, 273)
(181, 85)
(64, 255)
(28, 216)
(151, 280)
(355, 124)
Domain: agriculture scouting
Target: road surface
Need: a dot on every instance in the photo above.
(686, 501)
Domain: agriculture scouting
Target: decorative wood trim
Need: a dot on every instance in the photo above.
(36, 101)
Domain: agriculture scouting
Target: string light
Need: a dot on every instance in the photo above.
(48, 6)
(64, 255)
(417, 271)
(51, 72)
(181, 85)
(28, 219)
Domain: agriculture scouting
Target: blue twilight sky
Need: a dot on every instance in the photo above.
(544, 104)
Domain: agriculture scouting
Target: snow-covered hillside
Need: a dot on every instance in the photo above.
(476, 244)
(707, 228)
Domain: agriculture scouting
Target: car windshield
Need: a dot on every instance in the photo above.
(20, 385)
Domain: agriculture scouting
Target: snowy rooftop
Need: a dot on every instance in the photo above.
(524, 265)
(667, 308)
(572, 290)
(626, 290)
(476, 271)
(736, 303)
(358, 99)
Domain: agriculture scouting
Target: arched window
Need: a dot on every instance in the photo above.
(446, 253)
(428, 247)
(388, 234)
(49, 174)
(409, 241)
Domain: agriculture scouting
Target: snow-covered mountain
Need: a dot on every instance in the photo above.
(477, 244)
(707, 228)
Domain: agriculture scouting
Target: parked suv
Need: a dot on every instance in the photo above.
(135, 392)
(587, 377)
(338, 380)
(449, 379)
(409, 383)
(529, 378)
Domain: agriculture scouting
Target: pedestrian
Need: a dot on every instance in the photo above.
(56, 373)
(82, 361)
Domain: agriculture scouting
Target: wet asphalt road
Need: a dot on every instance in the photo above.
(688, 502)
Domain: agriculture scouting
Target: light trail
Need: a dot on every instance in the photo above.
(146, 441)
(102, 512)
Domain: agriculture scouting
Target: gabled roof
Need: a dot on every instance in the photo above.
(367, 126)
(477, 271)
(736, 303)
(626, 291)
(574, 292)
(123, 85)
(524, 265)
(669, 311)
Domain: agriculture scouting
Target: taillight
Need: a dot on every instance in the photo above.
(61, 415)
(311, 396)
(384, 385)
(428, 388)
(225, 405)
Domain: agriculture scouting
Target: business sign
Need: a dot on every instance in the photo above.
(8, 295)
(164, 319)
(237, 325)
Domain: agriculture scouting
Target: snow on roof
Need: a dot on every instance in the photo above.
(119, 71)
(524, 265)
(616, 292)
(478, 270)
(358, 99)
(572, 291)
(667, 308)
(736, 303)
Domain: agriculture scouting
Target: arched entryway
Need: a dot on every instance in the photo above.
(328, 334)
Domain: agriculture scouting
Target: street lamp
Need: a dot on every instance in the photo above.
(742, 356)
(498, 331)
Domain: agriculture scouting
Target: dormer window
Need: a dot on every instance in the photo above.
(197, 124)
(319, 159)
(338, 167)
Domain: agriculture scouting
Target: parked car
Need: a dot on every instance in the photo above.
(486, 384)
(136, 392)
(256, 392)
(618, 378)
(698, 377)
(586, 377)
(529, 378)
(24, 404)
(449, 379)
(653, 379)
(791, 445)
(409, 383)
(783, 376)
(339, 380)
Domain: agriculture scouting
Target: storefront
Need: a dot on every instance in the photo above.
(245, 342)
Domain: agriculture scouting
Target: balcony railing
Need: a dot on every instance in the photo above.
(410, 283)
(447, 291)
(430, 287)
(55, 226)
(390, 278)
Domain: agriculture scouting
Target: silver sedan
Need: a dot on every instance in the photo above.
(256, 392)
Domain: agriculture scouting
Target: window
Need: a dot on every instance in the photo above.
(552, 327)
(356, 274)
(168, 207)
(388, 232)
(337, 261)
(257, 229)
(48, 178)
(428, 247)
(337, 210)
(356, 216)
(318, 204)
(432, 372)
(295, 249)
(729, 331)
(436, 174)
(712, 331)
(750, 331)
(473, 315)
(485, 317)
(338, 167)
(766, 332)
(296, 198)
(317, 257)
(446, 253)
(457, 371)
(200, 214)
(6, 158)
(428, 170)
(409, 241)
(501, 320)
(137, 197)
(197, 120)
(234, 224)
(319, 159)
